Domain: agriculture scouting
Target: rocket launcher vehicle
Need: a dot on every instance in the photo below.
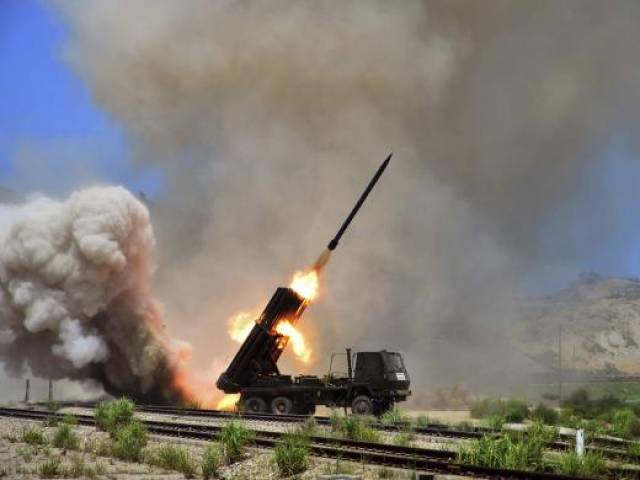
(255, 364)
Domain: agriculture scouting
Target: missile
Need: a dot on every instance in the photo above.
(372, 183)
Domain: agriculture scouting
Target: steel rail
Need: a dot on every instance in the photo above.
(434, 461)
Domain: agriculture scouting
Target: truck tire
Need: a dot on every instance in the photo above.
(255, 405)
(362, 405)
(281, 406)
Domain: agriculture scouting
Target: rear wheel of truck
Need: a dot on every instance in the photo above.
(281, 406)
(255, 405)
(362, 405)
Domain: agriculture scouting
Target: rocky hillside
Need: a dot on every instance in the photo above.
(600, 319)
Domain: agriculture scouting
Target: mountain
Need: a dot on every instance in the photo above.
(600, 321)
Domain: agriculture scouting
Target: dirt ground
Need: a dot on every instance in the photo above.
(19, 460)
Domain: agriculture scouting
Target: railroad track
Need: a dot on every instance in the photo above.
(611, 446)
(412, 458)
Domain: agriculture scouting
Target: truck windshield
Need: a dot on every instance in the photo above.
(394, 362)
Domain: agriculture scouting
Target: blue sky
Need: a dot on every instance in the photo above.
(53, 137)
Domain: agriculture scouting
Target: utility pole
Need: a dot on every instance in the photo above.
(27, 393)
(50, 390)
(560, 366)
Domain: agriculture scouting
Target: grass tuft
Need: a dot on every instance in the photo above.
(495, 421)
(212, 460)
(65, 437)
(173, 457)
(234, 438)
(33, 436)
(625, 423)
(358, 427)
(111, 415)
(129, 440)
(591, 464)
(51, 468)
(518, 452)
(395, 416)
(291, 456)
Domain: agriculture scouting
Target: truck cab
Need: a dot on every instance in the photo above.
(377, 382)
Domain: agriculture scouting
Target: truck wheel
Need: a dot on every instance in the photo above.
(281, 406)
(255, 405)
(362, 405)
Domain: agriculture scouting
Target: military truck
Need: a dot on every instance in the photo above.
(377, 382)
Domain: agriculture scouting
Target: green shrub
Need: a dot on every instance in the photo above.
(212, 460)
(592, 428)
(592, 464)
(50, 468)
(129, 440)
(496, 422)
(541, 433)
(518, 452)
(70, 420)
(111, 415)
(172, 457)
(545, 414)
(395, 416)
(234, 438)
(516, 411)
(33, 436)
(291, 456)
(66, 438)
(625, 423)
(358, 427)
(580, 403)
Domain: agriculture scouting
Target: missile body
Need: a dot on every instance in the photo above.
(372, 183)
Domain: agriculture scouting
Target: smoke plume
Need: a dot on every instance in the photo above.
(268, 118)
(75, 297)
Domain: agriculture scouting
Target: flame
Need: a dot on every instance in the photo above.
(297, 340)
(240, 325)
(228, 402)
(305, 284)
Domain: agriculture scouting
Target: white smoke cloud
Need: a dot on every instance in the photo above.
(74, 276)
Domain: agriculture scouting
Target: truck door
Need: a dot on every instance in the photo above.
(369, 369)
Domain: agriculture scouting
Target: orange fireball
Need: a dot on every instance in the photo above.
(297, 340)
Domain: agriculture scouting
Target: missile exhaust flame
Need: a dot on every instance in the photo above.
(297, 340)
(228, 402)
